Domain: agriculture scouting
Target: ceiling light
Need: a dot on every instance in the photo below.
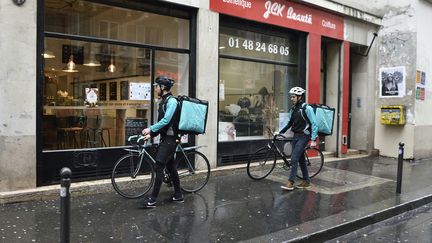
(70, 66)
(112, 67)
(48, 54)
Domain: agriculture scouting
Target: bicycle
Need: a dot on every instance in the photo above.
(133, 174)
(263, 161)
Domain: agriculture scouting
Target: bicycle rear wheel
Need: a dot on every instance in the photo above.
(124, 181)
(194, 172)
(261, 163)
(314, 159)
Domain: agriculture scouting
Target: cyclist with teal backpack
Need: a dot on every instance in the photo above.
(167, 146)
(302, 121)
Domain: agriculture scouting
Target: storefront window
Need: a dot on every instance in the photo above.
(255, 77)
(97, 94)
(102, 21)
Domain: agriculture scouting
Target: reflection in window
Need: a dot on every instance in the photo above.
(97, 94)
(102, 21)
(252, 96)
(91, 92)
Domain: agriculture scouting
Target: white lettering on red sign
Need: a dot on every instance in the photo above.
(276, 9)
(241, 3)
(305, 18)
(273, 9)
(328, 24)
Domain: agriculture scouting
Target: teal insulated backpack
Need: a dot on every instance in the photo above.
(324, 118)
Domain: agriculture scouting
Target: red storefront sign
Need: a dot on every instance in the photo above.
(285, 14)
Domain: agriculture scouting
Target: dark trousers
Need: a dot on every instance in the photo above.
(297, 157)
(165, 158)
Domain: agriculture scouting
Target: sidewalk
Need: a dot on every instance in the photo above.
(348, 194)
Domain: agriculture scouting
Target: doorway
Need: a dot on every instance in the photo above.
(330, 87)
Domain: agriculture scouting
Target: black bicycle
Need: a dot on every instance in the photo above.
(263, 161)
(133, 174)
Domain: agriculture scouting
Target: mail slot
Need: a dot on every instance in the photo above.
(393, 115)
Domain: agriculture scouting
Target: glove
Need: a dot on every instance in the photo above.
(276, 133)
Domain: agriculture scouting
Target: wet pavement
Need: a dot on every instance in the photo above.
(230, 208)
(412, 226)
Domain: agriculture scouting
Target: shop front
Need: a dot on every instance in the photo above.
(99, 62)
(265, 49)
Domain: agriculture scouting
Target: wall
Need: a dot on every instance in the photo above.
(17, 96)
(423, 111)
(397, 47)
(207, 77)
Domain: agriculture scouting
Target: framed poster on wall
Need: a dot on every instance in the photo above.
(102, 91)
(392, 82)
(124, 90)
(113, 91)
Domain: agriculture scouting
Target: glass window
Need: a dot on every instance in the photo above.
(254, 83)
(97, 94)
(94, 93)
(253, 96)
(102, 21)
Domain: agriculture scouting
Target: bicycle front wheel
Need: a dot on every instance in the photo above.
(131, 180)
(261, 163)
(314, 159)
(193, 170)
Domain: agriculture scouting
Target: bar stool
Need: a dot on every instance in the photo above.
(105, 129)
(101, 132)
(69, 131)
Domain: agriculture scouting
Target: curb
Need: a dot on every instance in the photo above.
(348, 227)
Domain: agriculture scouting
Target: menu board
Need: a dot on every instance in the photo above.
(134, 126)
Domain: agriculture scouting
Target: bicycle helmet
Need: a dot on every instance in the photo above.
(165, 81)
(297, 91)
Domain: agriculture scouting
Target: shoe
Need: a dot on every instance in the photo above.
(149, 203)
(303, 185)
(289, 186)
(177, 198)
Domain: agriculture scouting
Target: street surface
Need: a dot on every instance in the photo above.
(412, 226)
(230, 208)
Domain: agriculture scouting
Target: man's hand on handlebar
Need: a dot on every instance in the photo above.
(147, 136)
(313, 144)
(146, 131)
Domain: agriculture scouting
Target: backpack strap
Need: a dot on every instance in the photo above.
(303, 113)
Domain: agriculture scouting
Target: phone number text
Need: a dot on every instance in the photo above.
(258, 46)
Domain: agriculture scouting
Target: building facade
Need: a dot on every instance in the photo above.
(90, 66)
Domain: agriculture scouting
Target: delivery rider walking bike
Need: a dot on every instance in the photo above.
(302, 122)
(167, 146)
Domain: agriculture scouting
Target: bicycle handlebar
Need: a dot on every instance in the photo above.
(138, 139)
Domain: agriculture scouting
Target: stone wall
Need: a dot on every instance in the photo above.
(17, 96)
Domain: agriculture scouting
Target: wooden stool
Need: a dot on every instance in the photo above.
(68, 135)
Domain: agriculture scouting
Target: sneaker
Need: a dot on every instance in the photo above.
(303, 185)
(289, 186)
(149, 203)
(177, 198)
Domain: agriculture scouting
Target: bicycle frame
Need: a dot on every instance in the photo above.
(272, 145)
(143, 152)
